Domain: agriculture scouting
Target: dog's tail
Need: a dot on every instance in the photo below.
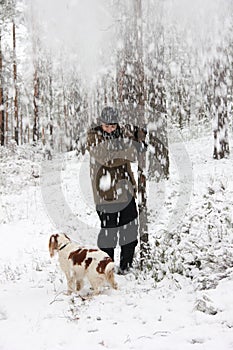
(109, 273)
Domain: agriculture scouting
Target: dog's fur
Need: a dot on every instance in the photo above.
(78, 262)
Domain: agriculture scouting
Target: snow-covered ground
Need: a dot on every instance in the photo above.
(142, 314)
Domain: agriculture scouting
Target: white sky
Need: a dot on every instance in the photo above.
(204, 22)
(78, 27)
(84, 29)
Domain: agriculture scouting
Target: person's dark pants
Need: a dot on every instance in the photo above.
(123, 223)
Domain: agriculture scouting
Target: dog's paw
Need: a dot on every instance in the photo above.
(115, 286)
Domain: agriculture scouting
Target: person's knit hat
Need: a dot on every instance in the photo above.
(109, 115)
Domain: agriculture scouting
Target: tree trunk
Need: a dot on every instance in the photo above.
(140, 99)
(2, 115)
(16, 115)
(7, 121)
(221, 141)
(35, 133)
(158, 160)
(131, 94)
(51, 111)
(21, 128)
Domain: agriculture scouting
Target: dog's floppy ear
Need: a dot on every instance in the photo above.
(53, 244)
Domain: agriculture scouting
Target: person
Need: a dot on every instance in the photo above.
(112, 149)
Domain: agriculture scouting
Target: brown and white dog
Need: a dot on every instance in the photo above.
(77, 262)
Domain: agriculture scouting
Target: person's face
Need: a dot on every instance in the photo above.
(109, 127)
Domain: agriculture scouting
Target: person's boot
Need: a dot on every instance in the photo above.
(126, 256)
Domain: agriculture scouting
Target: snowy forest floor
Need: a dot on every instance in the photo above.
(186, 304)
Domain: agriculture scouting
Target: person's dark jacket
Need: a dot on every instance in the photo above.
(110, 164)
